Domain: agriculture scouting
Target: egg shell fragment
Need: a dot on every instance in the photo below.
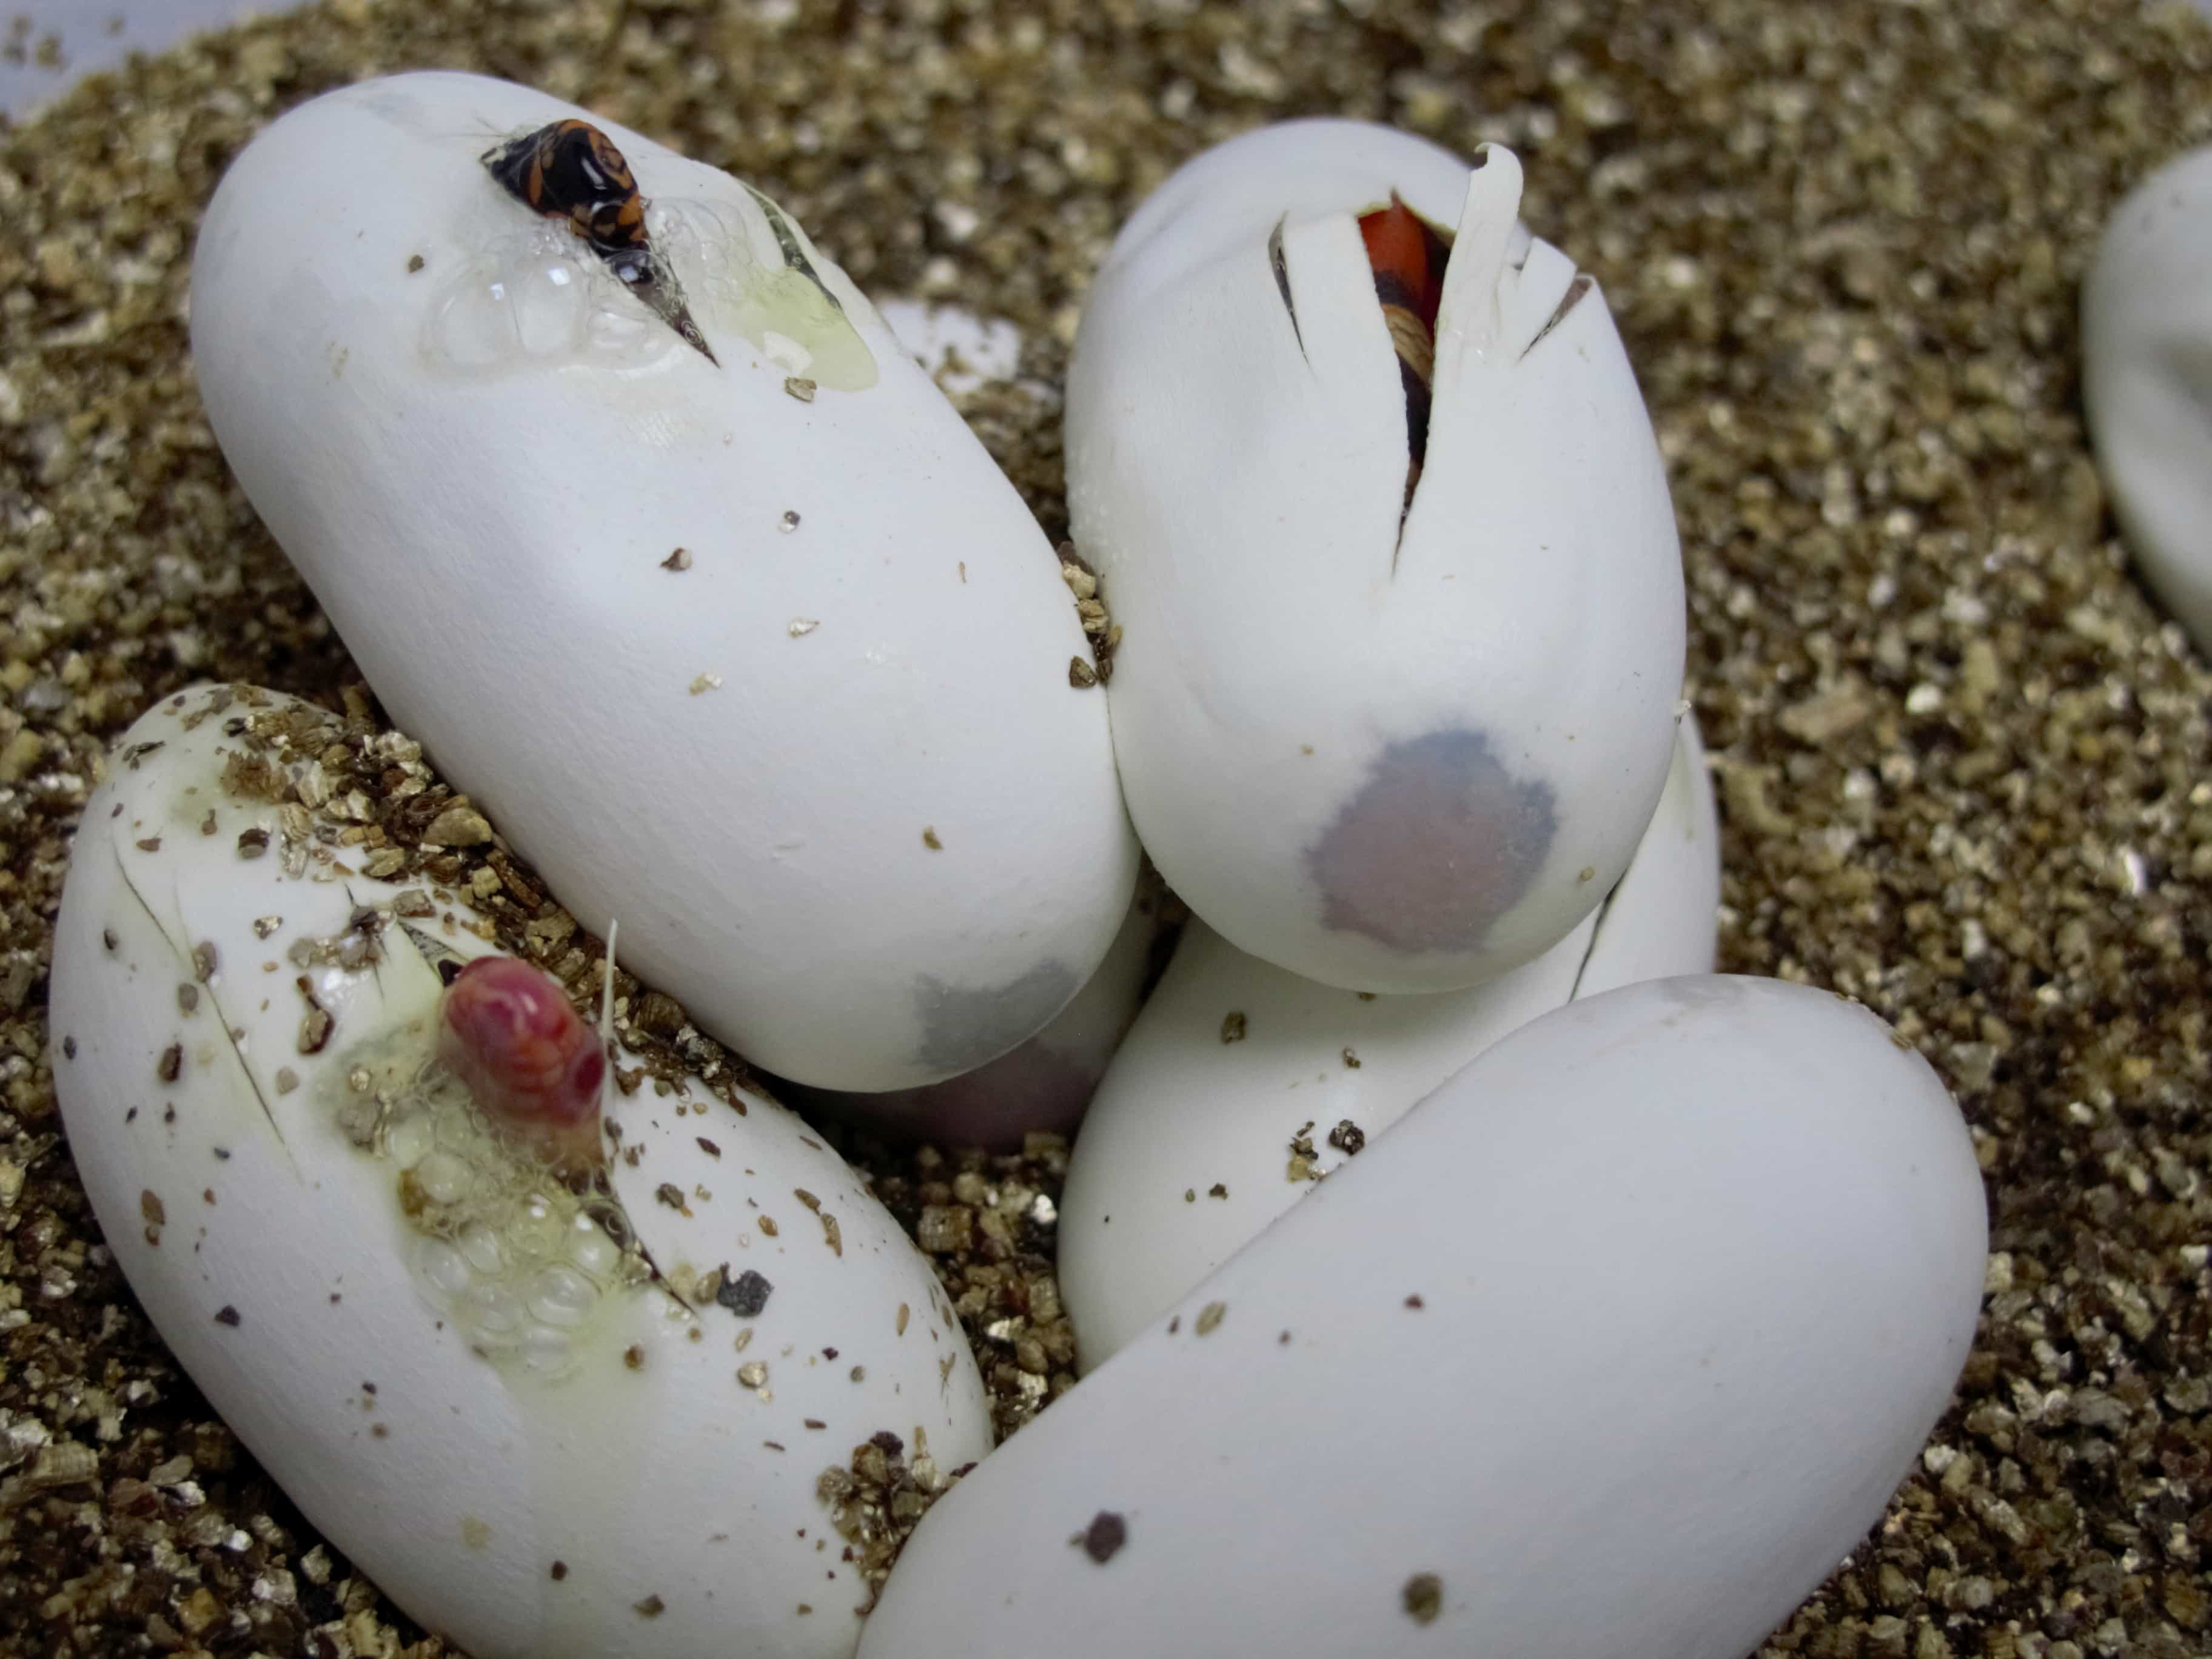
(2146, 381)
(274, 1255)
(1188, 1146)
(1390, 757)
(715, 643)
(1625, 1335)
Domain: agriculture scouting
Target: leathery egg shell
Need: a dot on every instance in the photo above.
(1241, 1086)
(2146, 381)
(759, 653)
(1611, 1349)
(1390, 715)
(471, 1379)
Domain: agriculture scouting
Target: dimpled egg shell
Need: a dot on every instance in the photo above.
(1389, 756)
(2146, 381)
(460, 1412)
(484, 455)
(1242, 1086)
(1610, 1350)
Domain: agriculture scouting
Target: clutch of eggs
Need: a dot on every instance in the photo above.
(2146, 381)
(1611, 1347)
(630, 507)
(1241, 1087)
(625, 499)
(568, 1399)
(1366, 475)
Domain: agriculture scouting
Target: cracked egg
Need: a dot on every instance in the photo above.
(1364, 470)
(533, 1352)
(629, 505)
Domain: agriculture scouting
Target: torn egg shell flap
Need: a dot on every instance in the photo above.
(1042, 1086)
(1181, 1110)
(1237, 479)
(2146, 381)
(1217, 201)
(455, 1484)
(1699, 1261)
(489, 536)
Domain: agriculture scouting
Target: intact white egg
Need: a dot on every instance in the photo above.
(1040, 1088)
(545, 1421)
(1241, 1086)
(757, 652)
(2146, 381)
(1611, 1350)
(1399, 583)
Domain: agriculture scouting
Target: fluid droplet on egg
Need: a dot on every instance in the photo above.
(524, 299)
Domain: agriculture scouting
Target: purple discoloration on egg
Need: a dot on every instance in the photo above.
(1438, 844)
(962, 1028)
(507, 1031)
(1033, 1090)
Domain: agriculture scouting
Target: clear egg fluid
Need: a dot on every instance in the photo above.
(531, 295)
(781, 308)
(521, 1266)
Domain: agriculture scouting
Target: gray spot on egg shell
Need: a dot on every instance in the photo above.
(962, 1028)
(1438, 844)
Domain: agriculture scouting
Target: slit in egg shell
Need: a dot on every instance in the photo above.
(1407, 255)
(570, 170)
(529, 302)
